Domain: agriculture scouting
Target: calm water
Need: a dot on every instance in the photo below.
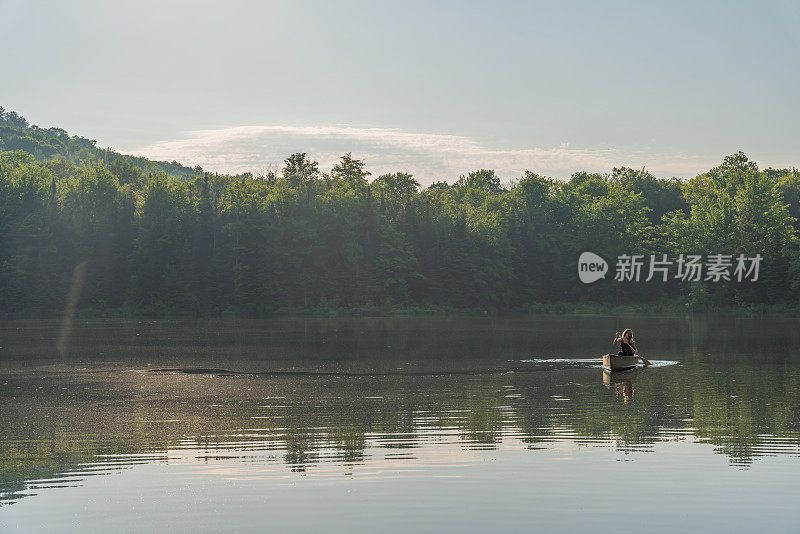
(400, 425)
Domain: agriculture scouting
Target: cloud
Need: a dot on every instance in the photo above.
(429, 157)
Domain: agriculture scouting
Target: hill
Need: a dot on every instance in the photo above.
(45, 144)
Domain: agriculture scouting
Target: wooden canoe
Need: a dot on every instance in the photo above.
(615, 362)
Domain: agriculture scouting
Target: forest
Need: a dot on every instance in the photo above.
(163, 238)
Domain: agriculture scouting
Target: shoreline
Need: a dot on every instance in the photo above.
(664, 308)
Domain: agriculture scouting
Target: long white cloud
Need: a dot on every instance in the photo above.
(429, 157)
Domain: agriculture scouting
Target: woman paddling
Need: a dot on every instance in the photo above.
(627, 345)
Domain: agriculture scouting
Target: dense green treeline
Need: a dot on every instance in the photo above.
(304, 238)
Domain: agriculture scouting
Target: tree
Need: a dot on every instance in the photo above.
(300, 170)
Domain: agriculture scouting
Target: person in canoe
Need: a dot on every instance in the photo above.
(627, 345)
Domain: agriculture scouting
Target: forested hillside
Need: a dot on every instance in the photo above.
(302, 238)
(55, 144)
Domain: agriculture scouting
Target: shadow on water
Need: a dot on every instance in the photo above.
(309, 394)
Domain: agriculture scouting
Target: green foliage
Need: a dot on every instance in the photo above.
(157, 242)
(54, 144)
(660, 196)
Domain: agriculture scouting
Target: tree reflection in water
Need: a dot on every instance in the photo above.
(307, 409)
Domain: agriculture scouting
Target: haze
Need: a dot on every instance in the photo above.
(433, 89)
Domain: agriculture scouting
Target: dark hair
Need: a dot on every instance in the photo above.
(626, 331)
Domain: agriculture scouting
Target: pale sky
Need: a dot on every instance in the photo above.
(432, 88)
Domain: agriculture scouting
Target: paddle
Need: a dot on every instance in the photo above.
(644, 360)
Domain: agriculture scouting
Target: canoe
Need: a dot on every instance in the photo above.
(615, 362)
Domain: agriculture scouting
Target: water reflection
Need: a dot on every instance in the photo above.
(621, 382)
(294, 412)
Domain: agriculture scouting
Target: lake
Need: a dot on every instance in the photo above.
(423, 424)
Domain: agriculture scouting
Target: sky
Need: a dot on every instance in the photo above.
(432, 88)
